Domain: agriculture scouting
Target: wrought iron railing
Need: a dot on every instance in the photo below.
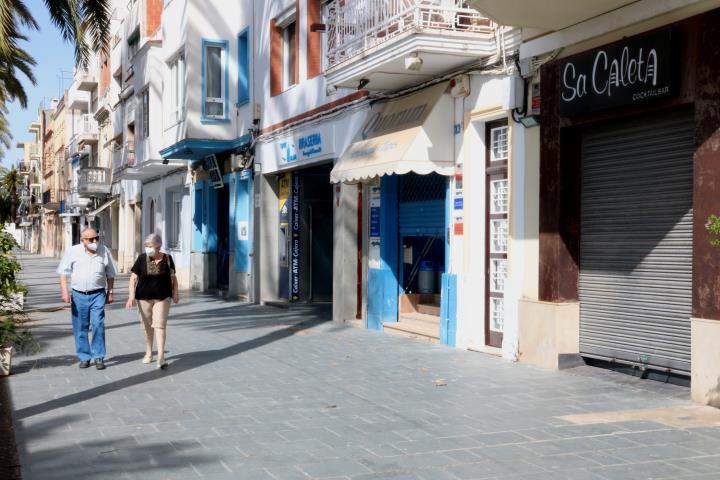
(357, 25)
(93, 180)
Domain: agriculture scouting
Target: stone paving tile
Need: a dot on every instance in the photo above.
(258, 393)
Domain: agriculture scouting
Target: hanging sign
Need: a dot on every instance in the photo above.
(623, 73)
(211, 166)
(374, 237)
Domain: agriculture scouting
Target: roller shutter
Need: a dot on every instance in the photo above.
(636, 241)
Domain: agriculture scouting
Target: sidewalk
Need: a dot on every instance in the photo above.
(257, 393)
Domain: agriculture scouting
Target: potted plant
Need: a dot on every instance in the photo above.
(12, 338)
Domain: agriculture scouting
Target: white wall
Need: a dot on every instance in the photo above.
(156, 191)
(489, 100)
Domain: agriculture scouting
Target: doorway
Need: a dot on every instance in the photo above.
(223, 237)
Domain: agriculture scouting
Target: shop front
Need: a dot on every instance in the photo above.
(404, 154)
(299, 203)
(628, 178)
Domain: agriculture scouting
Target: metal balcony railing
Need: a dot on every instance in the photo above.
(93, 180)
(24, 167)
(355, 26)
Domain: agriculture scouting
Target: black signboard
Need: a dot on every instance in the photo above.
(624, 73)
(211, 166)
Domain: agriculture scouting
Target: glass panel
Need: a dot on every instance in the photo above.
(213, 74)
(498, 236)
(497, 314)
(499, 143)
(499, 196)
(498, 273)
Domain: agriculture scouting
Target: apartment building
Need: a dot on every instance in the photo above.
(28, 212)
(55, 224)
(204, 126)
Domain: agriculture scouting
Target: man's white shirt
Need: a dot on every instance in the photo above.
(87, 272)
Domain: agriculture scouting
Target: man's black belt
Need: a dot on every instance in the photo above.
(89, 292)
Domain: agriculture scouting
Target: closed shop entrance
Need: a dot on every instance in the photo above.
(636, 241)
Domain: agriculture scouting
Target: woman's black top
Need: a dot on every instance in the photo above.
(154, 279)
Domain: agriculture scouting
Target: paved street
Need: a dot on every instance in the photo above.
(262, 393)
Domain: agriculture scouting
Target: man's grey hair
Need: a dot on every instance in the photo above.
(154, 239)
(86, 229)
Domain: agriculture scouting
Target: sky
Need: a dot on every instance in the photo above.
(53, 55)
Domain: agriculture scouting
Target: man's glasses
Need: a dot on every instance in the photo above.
(92, 238)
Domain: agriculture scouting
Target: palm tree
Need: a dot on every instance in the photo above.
(86, 23)
(10, 184)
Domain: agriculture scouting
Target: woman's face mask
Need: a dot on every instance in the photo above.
(150, 251)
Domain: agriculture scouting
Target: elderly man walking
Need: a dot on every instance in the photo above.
(90, 267)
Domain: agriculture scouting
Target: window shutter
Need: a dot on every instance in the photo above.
(314, 39)
(276, 47)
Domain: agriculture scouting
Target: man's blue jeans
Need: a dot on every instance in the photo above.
(88, 309)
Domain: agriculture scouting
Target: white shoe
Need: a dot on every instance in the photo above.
(147, 359)
(161, 363)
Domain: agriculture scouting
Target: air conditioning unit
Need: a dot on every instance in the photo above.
(460, 86)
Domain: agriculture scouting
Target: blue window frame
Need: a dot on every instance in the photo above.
(215, 81)
(243, 67)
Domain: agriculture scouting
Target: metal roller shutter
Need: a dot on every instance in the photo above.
(636, 241)
(422, 205)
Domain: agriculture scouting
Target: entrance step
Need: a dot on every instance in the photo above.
(416, 325)
(429, 309)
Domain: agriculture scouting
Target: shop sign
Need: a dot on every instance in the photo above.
(211, 166)
(295, 245)
(623, 73)
(307, 146)
(374, 240)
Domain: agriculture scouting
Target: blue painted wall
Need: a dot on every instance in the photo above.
(448, 292)
(197, 215)
(210, 217)
(383, 285)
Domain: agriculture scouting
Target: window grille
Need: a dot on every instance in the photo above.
(497, 314)
(498, 274)
(498, 236)
(499, 196)
(499, 143)
(417, 188)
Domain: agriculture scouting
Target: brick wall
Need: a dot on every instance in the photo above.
(104, 72)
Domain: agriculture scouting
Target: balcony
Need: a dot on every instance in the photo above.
(24, 168)
(398, 43)
(87, 130)
(78, 99)
(35, 151)
(75, 148)
(51, 199)
(87, 79)
(93, 181)
(130, 109)
(116, 119)
(116, 55)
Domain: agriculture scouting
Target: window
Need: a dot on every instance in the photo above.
(145, 114)
(243, 68)
(499, 143)
(215, 79)
(174, 235)
(288, 55)
(499, 196)
(177, 89)
(283, 52)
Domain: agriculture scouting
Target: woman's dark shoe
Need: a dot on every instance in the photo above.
(84, 364)
(99, 364)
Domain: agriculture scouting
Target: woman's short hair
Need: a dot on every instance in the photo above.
(153, 239)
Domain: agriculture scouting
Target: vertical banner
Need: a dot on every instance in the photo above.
(374, 237)
(284, 186)
(295, 245)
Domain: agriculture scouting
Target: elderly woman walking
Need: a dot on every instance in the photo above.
(153, 284)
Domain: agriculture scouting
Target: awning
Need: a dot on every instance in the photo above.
(102, 207)
(407, 134)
